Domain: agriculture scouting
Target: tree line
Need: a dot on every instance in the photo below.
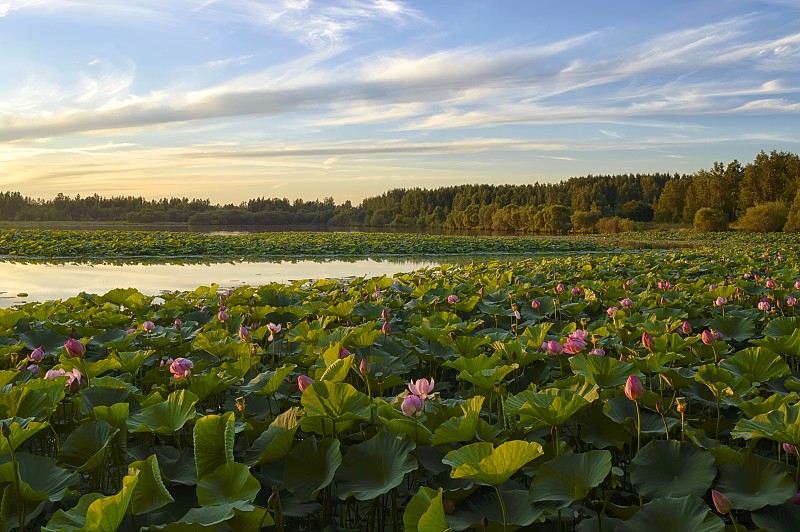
(760, 195)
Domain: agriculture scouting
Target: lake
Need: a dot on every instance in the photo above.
(27, 281)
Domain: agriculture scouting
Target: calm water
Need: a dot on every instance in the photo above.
(43, 281)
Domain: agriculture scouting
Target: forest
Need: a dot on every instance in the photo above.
(758, 196)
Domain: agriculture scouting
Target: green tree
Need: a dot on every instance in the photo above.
(765, 217)
(708, 219)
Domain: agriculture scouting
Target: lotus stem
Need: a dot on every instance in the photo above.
(502, 507)
(716, 433)
(638, 427)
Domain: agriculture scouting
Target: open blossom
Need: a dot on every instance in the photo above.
(422, 388)
(771, 283)
(721, 302)
(573, 345)
(452, 299)
(633, 388)
(553, 347)
(626, 303)
(37, 355)
(791, 301)
(181, 368)
(273, 330)
(763, 305)
(73, 382)
(412, 405)
(303, 382)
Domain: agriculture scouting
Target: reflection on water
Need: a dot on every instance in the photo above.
(23, 281)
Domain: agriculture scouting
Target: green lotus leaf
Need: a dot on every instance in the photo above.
(457, 429)
(760, 405)
(212, 517)
(738, 328)
(425, 512)
(570, 477)
(118, 296)
(208, 384)
(781, 518)
(782, 326)
(752, 482)
(9, 317)
(336, 371)
(756, 364)
(552, 407)
(337, 401)
(521, 512)
(310, 466)
(213, 442)
(230, 482)
(41, 478)
(600, 431)
(672, 469)
(52, 341)
(374, 467)
(131, 361)
(166, 417)
(275, 442)
(6, 376)
(483, 463)
(416, 431)
(488, 378)
(267, 383)
(96, 512)
(669, 513)
(722, 383)
(86, 447)
(26, 402)
(474, 365)
(782, 424)
(102, 396)
(466, 346)
(340, 310)
(788, 344)
(362, 336)
(149, 494)
(623, 411)
(20, 429)
(605, 372)
(176, 466)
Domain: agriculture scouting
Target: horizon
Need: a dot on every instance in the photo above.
(229, 101)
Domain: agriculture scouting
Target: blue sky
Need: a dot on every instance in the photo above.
(234, 99)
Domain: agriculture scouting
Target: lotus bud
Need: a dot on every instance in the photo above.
(517, 315)
(771, 283)
(481, 291)
(75, 348)
(535, 304)
(747, 276)
(553, 347)
(412, 405)
(181, 368)
(611, 311)
(303, 382)
(626, 303)
(797, 285)
(244, 333)
(385, 314)
(37, 355)
(764, 305)
(130, 331)
(558, 288)
(628, 283)
(633, 388)
(789, 448)
(274, 498)
(721, 502)
(33, 368)
(223, 316)
(718, 336)
(707, 337)
(721, 302)
(795, 498)
(712, 287)
(576, 291)
(647, 341)
(178, 323)
(791, 301)
(148, 326)
(386, 328)
(452, 299)
(597, 351)
(364, 367)
(686, 328)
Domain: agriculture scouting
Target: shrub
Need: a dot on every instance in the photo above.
(615, 224)
(708, 219)
(766, 217)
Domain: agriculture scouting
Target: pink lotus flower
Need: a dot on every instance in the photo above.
(718, 336)
(721, 502)
(721, 302)
(178, 323)
(553, 347)
(535, 304)
(244, 333)
(626, 303)
(633, 388)
(181, 368)
(33, 368)
(573, 345)
(597, 351)
(386, 328)
(771, 283)
(647, 341)
(166, 362)
(797, 285)
(764, 305)
(385, 314)
(130, 331)
(611, 311)
(558, 288)
(223, 316)
(791, 301)
(576, 291)
(581, 334)
(364, 367)
(452, 299)
(422, 388)
(789, 448)
(344, 353)
(37, 355)
(412, 405)
(74, 378)
(712, 287)
(75, 348)
(148, 326)
(273, 330)
(628, 283)
(303, 382)
(707, 337)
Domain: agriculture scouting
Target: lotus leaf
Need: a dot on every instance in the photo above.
(310, 466)
(374, 467)
(85, 448)
(669, 513)
(95, 512)
(752, 482)
(213, 442)
(756, 364)
(166, 417)
(570, 477)
(149, 494)
(672, 469)
(484, 463)
(425, 512)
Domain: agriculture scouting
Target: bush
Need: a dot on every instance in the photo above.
(766, 217)
(707, 219)
(615, 224)
(793, 220)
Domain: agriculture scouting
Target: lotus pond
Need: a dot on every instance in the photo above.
(650, 390)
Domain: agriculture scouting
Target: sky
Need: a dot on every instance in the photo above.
(229, 100)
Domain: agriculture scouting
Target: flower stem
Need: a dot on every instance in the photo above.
(502, 507)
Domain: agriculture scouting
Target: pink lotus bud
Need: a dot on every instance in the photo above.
(789, 448)
(452, 299)
(707, 337)
(795, 498)
(75, 348)
(223, 316)
(386, 328)
(764, 305)
(576, 291)
(721, 302)
(412, 405)
(626, 303)
(244, 333)
(633, 388)
(797, 285)
(718, 336)
(597, 351)
(33, 368)
(558, 288)
(791, 301)
(553, 347)
(148, 326)
(628, 283)
(130, 331)
(721, 502)
(385, 314)
(166, 362)
(686, 328)
(364, 367)
(303, 382)
(37, 355)
(771, 283)
(712, 287)
(344, 353)
(611, 311)
(181, 368)
(481, 291)
(535, 304)
(421, 387)
(517, 315)
(647, 341)
(178, 323)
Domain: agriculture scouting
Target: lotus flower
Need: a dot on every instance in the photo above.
(303, 382)
(686, 328)
(412, 405)
(148, 326)
(273, 330)
(33, 368)
(553, 347)
(718, 335)
(535, 304)
(789, 448)
(573, 345)
(597, 351)
(386, 328)
(721, 302)
(244, 333)
(223, 316)
(628, 283)
(581, 334)
(626, 303)
(75, 348)
(611, 312)
(181, 368)
(764, 305)
(385, 314)
(364, 367)
(558, 288)
(707, 337)
(166, 362)
(633, 388)
(721, 502)
(576, 291)
(771, 283)
(791, 301)
(452, 299)
(797, 285)
(178, 323)
(795, 498)
(73, 382)
(712, 287)
(37, 355)
(421, 387)
(647, 341)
